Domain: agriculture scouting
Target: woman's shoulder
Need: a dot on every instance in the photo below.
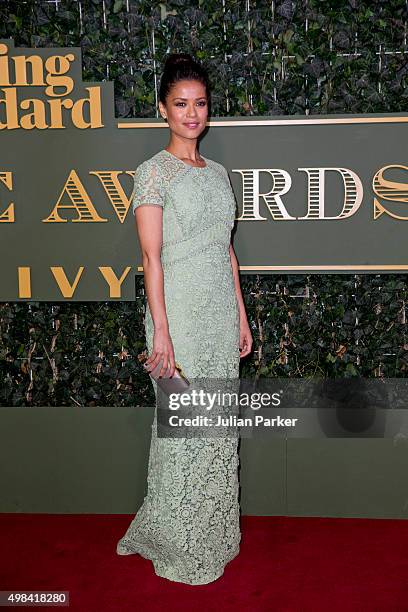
(217, 166)
(161, 164)
(151, 168)
(153, 160)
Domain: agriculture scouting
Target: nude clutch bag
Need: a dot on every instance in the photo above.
(177, 384)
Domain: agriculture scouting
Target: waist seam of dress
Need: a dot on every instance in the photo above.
(198, 234)
(166, 262)
(218, 233)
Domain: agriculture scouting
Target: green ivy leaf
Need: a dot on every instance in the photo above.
(351, 369)
(287, 36)
(164, 12)
(18, 20)
(117, 6)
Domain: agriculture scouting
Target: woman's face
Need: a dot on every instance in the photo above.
(186, 109)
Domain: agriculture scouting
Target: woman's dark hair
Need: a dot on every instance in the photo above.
(179, 67)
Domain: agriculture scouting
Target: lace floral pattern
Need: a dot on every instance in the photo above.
(188, 524)
(148, 186)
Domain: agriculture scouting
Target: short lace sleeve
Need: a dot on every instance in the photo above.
(225, 173)
(148, 186)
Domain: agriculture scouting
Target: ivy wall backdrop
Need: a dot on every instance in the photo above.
(264, 58)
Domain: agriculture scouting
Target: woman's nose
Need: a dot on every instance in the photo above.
(191, 112)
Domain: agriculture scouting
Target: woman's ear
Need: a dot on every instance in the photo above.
(162, 110)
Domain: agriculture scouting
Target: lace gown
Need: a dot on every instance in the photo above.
(188, 524)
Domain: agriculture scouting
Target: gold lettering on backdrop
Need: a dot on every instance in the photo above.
(66, 288)
(389, 190)
(8, 215)
(353, 192)
(115, 192)
(81, 202)
(10, 102)
(20, 69)
(94, 103)
(48, 113)
(4, 67)
(36, 119)
(282, 182)
(113, 281)
(57, 67)
(24, 282)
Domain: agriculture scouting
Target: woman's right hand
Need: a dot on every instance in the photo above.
(163, 351)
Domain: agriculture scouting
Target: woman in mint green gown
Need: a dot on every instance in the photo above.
(189, 522)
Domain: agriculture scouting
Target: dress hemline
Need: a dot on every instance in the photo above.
(167, 572)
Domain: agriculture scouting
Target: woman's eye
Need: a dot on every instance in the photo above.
(199, 103)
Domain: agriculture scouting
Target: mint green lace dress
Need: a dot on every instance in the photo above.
(188, 524)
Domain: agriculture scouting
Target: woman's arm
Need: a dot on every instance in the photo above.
(235, 270)
(149, 223)
(245, 343)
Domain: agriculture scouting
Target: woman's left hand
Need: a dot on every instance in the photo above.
(245, 338)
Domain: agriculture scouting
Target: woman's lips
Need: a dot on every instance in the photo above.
(191, 125)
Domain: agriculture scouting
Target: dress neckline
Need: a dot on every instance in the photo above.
(186, 164)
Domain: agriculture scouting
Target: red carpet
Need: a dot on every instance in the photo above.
(285, 564)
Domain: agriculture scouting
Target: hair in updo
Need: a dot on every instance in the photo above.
(180, 67)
